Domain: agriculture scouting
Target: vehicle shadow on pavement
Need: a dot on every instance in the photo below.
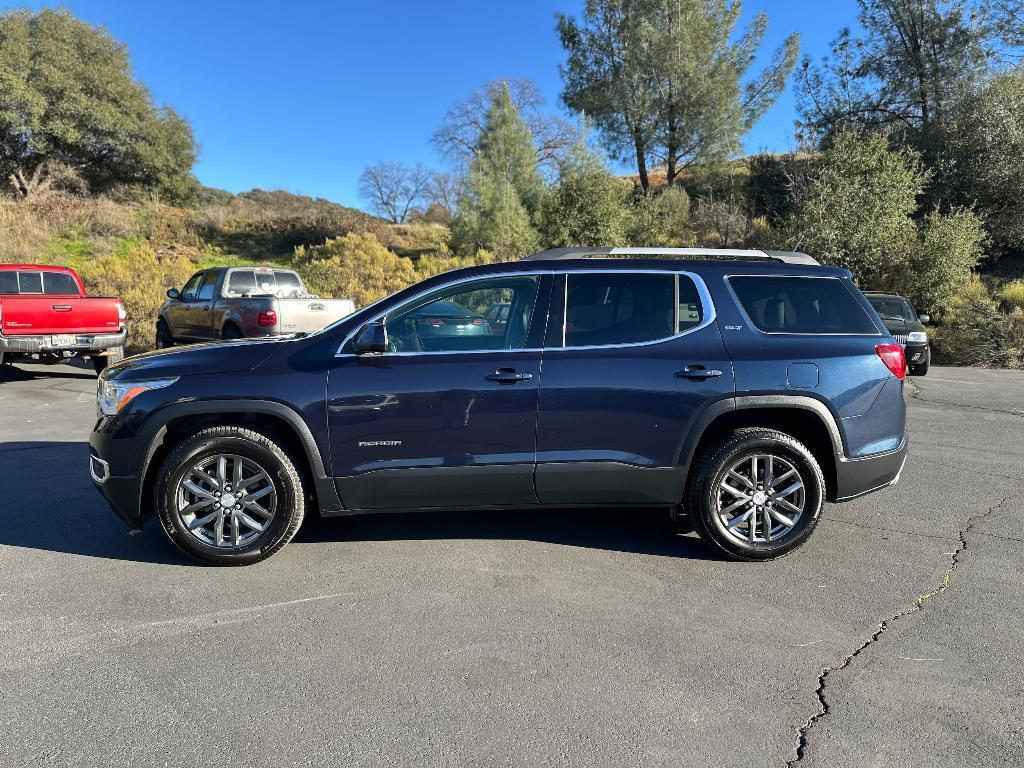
(638, 531)
(14, 373)
(47, 502)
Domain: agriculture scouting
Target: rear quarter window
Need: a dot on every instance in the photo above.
(813, 305)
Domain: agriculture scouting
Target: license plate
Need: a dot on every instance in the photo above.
(67, 340)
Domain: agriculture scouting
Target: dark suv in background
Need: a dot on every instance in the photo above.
(906, 326)
(740, 389)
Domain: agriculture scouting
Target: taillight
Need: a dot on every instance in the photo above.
(267, 318)
(894, 359)
(122, 314)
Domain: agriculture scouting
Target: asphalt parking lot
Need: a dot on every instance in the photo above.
(894, 637)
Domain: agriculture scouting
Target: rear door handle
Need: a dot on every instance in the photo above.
(60, 307)
(698, 373)
(509, 376)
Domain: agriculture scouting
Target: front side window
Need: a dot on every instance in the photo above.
(808, 305)
(620, 308)
(188, 293)
(59, 284)
(454, 319)
(30, 282)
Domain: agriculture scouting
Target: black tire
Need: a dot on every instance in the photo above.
(249, 445)
(163, 335)
(231, 331)
(100, 362)
(712, 467)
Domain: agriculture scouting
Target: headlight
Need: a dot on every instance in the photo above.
(917, 337)
(112, 396)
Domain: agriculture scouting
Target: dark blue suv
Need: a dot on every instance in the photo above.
(738, 389)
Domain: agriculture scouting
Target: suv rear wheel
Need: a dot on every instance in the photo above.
(229, 496)
(756, 495)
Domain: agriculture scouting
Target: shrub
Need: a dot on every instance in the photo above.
(1011, 296)
(660, 219)
(136, 274)
(357, 266)
(974, 332)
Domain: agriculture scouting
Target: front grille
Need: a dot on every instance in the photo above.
(901, 338)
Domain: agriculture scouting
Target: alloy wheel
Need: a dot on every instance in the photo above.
(760, 499)
(226, 501)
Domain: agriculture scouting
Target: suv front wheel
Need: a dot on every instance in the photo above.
(756, 495)
(229, 496)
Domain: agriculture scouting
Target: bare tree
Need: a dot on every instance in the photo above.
(460, 131)
(393, 189)
(443, 194)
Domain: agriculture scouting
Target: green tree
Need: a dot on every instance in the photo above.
(904, 71)
(588, 205)
(501, 195)
(667, 79)
(980, 161)
(857, 209)
(70, 109)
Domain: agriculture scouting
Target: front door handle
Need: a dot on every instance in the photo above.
(60, 307)
(698, 373)
(509, 376)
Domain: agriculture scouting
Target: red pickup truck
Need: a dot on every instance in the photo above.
(44, 311)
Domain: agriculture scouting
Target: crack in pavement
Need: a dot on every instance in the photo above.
(823, 706)
(918, 389)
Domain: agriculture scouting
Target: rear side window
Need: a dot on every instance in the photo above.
(619, 308)
(818, 305)
(8, 282)
(59, 284)
(241, 282)
(206, 289)
(30, 282)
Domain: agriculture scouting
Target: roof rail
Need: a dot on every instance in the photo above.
(787, 257)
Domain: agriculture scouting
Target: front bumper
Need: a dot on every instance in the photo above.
(107, 460)
(68, 342)
(916, 354)
(856, 477)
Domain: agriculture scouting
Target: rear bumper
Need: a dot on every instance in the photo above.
(79, 342)
(856, 477)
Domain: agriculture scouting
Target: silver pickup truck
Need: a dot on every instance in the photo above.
(243, 302)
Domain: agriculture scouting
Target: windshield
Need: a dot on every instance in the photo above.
(893, 309)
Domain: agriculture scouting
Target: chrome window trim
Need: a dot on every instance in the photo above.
(703, 294)
(421, 294)
(752, 324)
(710, 315)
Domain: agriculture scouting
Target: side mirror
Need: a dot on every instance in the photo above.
(172, 293)
(372, 337)
(925, 319)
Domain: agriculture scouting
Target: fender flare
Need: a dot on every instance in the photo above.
(154, 428)
(714, 409)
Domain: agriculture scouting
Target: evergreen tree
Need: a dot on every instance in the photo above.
(502, 193)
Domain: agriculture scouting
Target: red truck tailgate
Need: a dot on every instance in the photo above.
(27, 315)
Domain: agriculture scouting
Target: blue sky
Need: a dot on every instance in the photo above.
(302, 95)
